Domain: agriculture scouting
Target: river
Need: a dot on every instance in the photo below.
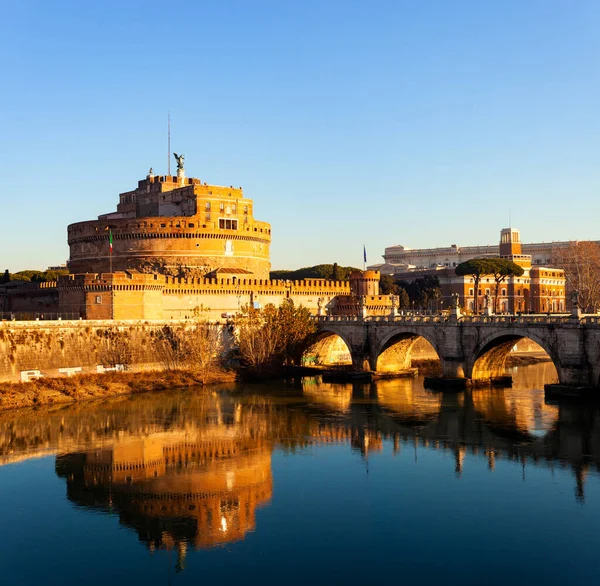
(301, 482)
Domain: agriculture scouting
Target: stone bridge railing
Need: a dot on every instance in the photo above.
(528, 319)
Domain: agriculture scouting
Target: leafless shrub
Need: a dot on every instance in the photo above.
(115, 348)
(196, 348)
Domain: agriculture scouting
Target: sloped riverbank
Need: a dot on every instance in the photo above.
(49, 391)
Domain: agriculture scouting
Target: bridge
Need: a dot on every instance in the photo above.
(473, 348)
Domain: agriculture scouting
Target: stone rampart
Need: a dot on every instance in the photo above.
(63, 348)
(31, 298)
(131, 295)
(215, 297)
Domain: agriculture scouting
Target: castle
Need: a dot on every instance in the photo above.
(175, 248)
(174, 226)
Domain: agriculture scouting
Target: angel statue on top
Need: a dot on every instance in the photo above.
(179, 159)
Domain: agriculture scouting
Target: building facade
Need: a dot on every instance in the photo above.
(539, 289)
(399, 259)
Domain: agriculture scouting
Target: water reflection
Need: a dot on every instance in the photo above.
(191, 468)
(176, 489)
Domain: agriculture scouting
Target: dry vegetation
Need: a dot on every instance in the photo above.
(273, 337)
(48, 391)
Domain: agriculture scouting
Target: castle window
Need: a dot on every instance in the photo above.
(98, 298)
(163, 225)
(234, 209)
(245, 209)
(227, 224)
(207, 206)
(207, 218)
(222, 207)
(190, 225)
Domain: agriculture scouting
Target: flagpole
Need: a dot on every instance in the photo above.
(110, 247)
(110, 264)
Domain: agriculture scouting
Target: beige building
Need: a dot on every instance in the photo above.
(398, 259)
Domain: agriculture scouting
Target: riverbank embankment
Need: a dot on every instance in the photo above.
(50, 391)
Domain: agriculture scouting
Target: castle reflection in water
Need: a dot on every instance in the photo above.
(191, 468)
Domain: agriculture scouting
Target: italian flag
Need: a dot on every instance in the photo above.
(110, 241)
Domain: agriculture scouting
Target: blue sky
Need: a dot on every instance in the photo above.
(418, 123)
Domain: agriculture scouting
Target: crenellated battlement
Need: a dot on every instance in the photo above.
(134, 295)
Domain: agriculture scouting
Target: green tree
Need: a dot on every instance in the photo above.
(422, 290)
(315, 272)
(475, 268)
(403, 299)
(501, 268)
(388, 286)
(37, 276)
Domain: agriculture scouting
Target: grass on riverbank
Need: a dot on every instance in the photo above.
(48, 391)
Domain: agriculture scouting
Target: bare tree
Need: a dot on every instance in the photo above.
(274, 335)
(197, 348)
(581, 263)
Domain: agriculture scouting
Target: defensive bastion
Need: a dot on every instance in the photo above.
(176, 226)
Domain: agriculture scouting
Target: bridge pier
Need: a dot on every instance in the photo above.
(453, 368)
(362, 360)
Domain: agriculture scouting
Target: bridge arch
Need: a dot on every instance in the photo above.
(490, 354)
(394, 351)
(329, 348)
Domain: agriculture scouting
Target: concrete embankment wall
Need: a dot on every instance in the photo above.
(64, 348)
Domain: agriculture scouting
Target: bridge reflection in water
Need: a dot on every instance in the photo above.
(191, 468)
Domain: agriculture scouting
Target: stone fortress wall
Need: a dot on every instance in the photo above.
(132, 295)
(30, 350)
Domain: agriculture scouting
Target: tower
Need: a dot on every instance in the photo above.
(510, 242)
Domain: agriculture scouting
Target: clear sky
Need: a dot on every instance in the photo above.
(347, 122)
